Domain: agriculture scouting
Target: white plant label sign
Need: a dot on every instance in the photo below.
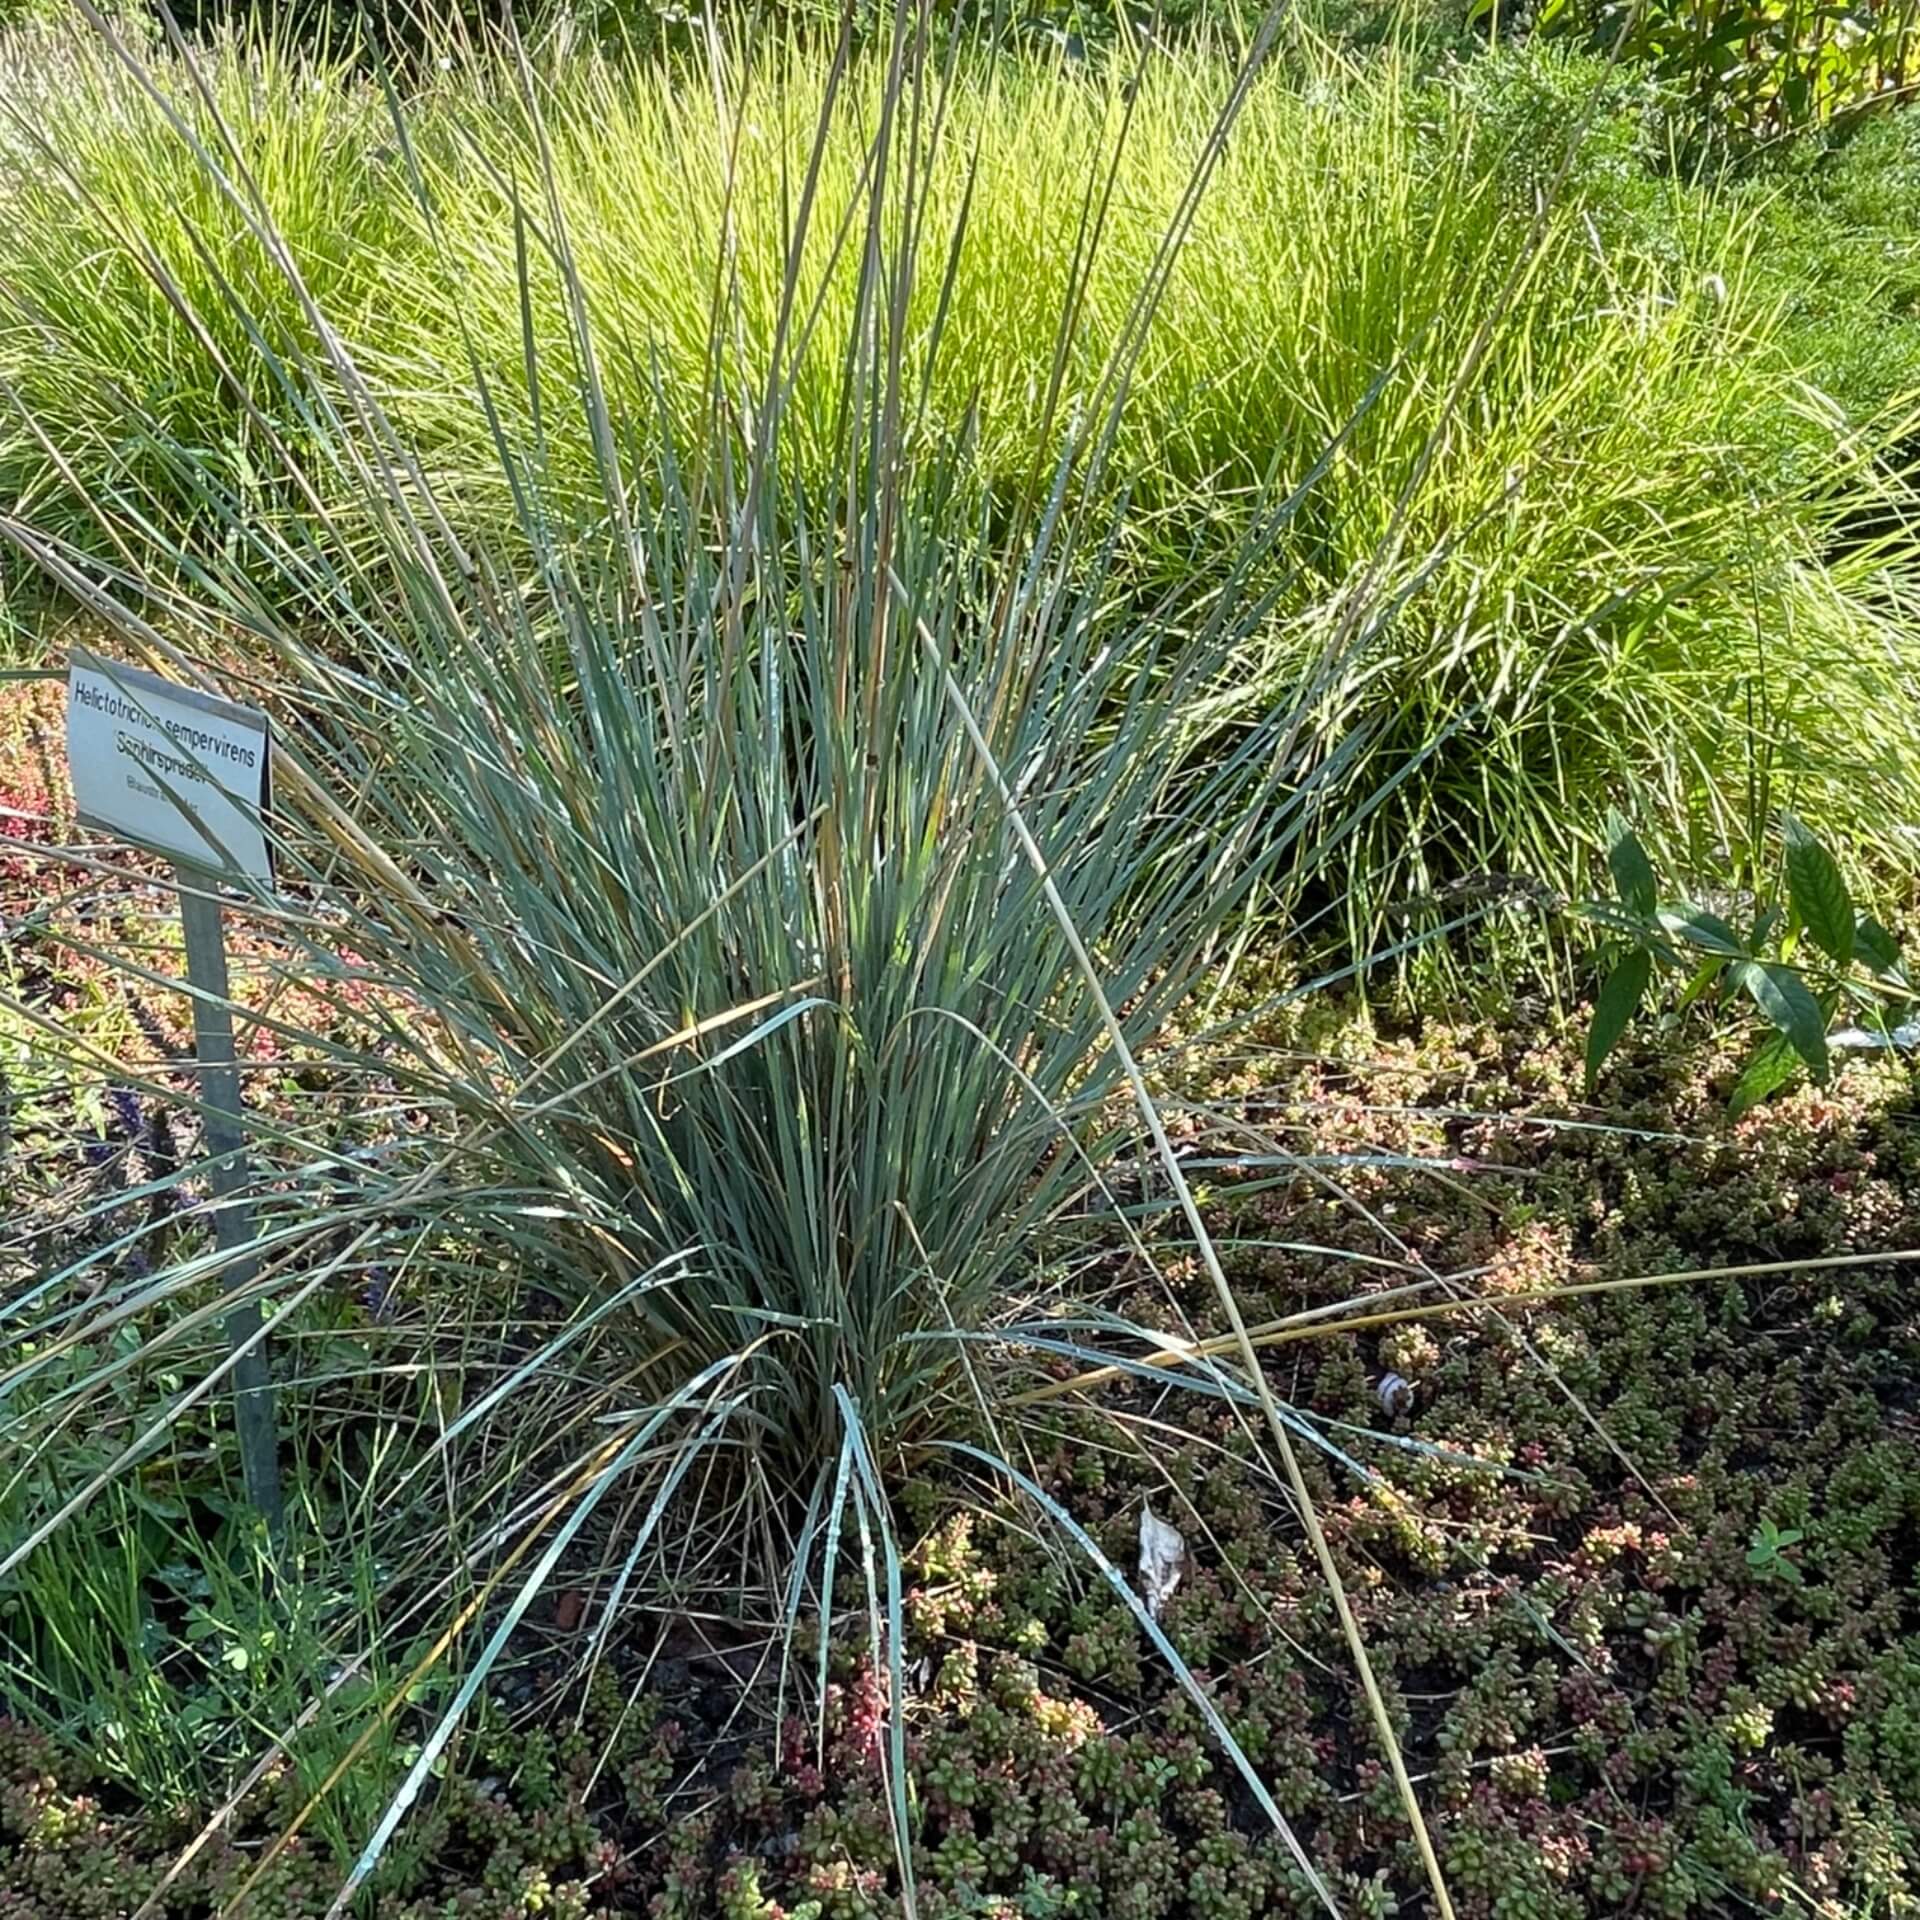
(169, 768)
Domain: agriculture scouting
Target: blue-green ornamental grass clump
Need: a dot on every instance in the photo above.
(769, 870)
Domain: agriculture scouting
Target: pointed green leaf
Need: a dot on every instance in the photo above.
(1773, 1064)
(1632, 870)
(1783, 997)
(1619, 996)
(1704, 930)
(1819, 893)
(1876, 949)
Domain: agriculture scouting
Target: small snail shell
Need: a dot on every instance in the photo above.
(1395, 1393)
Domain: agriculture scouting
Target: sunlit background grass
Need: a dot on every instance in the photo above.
(1572, 420)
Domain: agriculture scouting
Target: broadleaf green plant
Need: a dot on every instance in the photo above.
(1805, 956)
(1757, 68)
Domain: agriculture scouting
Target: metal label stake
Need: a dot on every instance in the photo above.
(223, 1125)
(178, 772)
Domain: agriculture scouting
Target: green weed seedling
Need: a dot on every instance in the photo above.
(1768, 1554)
(1804, 954)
